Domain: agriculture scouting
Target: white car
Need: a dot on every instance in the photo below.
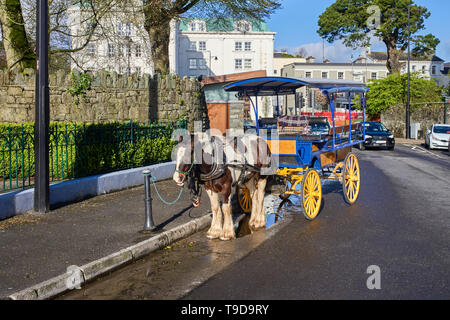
(438, 137)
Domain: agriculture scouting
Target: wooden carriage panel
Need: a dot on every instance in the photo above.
(331, 157)
(284, 146)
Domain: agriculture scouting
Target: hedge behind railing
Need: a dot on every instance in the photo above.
(80, 149)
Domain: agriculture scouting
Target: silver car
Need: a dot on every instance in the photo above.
(438, 137)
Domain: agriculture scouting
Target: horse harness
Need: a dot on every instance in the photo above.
(197, 178)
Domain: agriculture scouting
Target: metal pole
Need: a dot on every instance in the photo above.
(42, 188)
(408, 99)
(149, 224)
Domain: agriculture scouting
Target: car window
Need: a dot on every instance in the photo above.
(376, 127)
(441, 129)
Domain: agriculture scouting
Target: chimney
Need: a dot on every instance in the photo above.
(366, 51)
(310, 59)
(326, 61)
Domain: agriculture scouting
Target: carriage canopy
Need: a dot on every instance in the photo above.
(266, 86)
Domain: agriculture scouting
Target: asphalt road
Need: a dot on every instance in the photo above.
(400, 224)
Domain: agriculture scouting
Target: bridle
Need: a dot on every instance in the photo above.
(184, 174)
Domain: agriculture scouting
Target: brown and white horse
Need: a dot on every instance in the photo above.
(221, 164)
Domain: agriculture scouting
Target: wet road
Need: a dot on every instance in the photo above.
(401, 223)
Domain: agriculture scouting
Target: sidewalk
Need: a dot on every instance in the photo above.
(409, 141)
(35, 248)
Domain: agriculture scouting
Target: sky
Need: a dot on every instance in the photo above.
(296, 26)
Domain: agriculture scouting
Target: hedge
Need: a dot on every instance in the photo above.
(83, 149)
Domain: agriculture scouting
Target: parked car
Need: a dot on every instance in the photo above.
(377, 135)
(438, 137)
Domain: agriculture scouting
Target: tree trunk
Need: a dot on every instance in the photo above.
(159, 39)
(18, 51)
(393, 57)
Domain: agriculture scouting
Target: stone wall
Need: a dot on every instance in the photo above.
(426, 115)
(112, 97)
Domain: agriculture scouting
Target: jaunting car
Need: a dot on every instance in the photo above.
(377, 136)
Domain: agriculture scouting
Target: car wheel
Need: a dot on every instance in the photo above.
(391, 148)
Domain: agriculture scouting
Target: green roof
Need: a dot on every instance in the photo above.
(224, 25)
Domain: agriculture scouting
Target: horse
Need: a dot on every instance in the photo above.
(220, 165)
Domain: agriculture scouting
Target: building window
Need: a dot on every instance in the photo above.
(90, 49)
(248, 46)
(413, 68)
(197, 26)
(202, 45)
(308, 74)
(275, 71)
(138, 50)
(128, 52)
(248, 63)
(192, 63)
(128, 29)
(423, 69)
(374, 75)
(238, 46)
(433, 69)
(202, 63)
(110, 50)
(238, 64)
(119, 28)
(193, 45)
(243, 26)
(138, 70)
(340, 75)
(324, 75)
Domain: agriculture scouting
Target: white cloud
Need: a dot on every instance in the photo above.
(335, 52)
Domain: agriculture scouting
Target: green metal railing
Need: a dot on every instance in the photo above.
(78, 150)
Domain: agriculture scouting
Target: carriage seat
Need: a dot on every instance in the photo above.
(292, 124)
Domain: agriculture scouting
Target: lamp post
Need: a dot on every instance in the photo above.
(408, 98)
(42, 112)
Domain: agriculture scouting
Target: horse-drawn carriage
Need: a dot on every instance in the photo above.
(305, 155)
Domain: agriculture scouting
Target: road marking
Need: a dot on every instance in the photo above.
(422, 150)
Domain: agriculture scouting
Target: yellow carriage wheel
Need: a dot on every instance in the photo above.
(244, 198)
(352, 178)
(311, 194)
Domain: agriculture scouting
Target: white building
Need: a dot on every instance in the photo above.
(205, 48)
(428, 67)
(117, 45)
(213, 47)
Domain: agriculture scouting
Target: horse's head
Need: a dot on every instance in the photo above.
(184, 161)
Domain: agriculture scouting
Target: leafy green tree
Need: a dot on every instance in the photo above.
(392, 91)
(355, 21)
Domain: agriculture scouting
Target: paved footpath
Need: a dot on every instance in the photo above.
(35, 248)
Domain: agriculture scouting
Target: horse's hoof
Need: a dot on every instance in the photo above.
(212, 236)
(227, 238)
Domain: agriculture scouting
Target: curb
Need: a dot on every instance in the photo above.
(88, 272)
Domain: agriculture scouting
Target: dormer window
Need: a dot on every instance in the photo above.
(197, 26)
(243, 26)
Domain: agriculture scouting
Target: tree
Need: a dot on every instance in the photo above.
(301, 53)
(390, 91)
(355, 21)
(19, 53)
(69, 37)
(159, 13)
